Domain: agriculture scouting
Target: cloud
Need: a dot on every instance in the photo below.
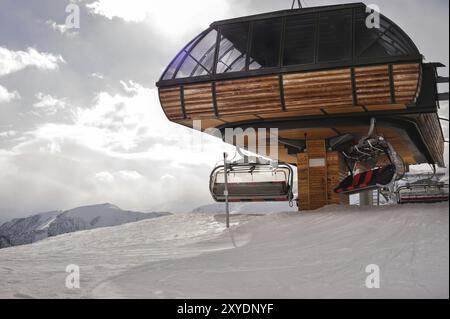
(118, 177)
(6, 96)
(130, 126)
(14, 61)
(169, 17)
(120, 149)
(8, 134)
(48, 104)
(105, 177)
(98, 76)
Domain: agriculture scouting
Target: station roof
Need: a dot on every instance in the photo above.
(290, 41)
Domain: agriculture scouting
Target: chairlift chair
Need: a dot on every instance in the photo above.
(422, 193)
(368, 150)
(254, 182)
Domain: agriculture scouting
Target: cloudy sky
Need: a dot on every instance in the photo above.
(80, 121)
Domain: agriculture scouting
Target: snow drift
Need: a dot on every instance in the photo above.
(320, 254)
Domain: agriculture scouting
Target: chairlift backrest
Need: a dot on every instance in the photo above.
(252, 182)
(423, 193)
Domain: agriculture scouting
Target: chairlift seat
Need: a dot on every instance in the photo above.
(369, 180)
(423, 193)
(252, 182)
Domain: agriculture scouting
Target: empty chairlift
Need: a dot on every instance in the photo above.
(252, 182)
(422, 193)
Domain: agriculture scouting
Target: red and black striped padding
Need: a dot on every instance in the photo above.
(366, 180)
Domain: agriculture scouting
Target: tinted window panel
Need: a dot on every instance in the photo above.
(200, 59)
(380, 42)
(299, 44)
(206, 62)
(233, 48)
(179, 59)
(187, 68)
(335, 36)
(266, 43)
(174, 66)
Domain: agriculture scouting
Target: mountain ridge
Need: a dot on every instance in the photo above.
(27, 230)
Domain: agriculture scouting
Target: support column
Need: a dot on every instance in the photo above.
(319, 172)
(366, 198)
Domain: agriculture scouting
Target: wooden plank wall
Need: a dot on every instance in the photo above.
(330, 91)
(303, 181)
(336, 172)
(305, 94)
(316, 184)
(373, 85)
(171, 102)
(198, 101)
(248, 96)
(407, 82)
(431, 131)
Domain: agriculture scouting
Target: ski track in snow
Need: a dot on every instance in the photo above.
(320, 254)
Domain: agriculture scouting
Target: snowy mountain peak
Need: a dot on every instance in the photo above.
(40, 226)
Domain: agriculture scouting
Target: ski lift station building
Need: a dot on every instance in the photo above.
(315, 74)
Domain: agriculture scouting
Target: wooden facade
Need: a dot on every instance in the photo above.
(348, 90)
(339, 92)
(319, 171)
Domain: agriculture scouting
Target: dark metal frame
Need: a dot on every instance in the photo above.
(281, 68)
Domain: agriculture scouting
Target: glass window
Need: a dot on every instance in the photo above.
(380, 42)
(174, 66)
(200, 59)
(265, 48)
(204, 46)
(232, 55)
(299, 44)
(335, 36)
(187, 68)
(206, 62)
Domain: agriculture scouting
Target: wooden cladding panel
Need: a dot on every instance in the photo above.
(324, 89)
(248, 96)
(171, 102)
(305, 94)
(303, 112)
(317, 181)
(316, 186)
(373, 85)
(316, 148)
(198, 101)
(303, 181)
(386, 107)
(406, 82)
(310, 133)
(336, 172)
(430, 128)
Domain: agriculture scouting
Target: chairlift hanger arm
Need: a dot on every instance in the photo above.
(298, 2)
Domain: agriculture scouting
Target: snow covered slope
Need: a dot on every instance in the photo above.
(37, 227)
(246, 208)
(321, 254)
